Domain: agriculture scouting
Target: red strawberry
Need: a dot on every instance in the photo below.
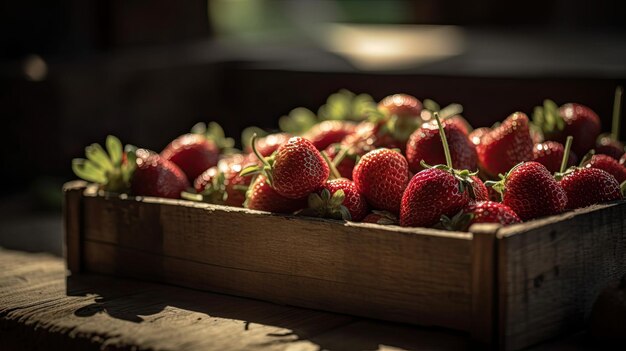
(262, 197)
(193, 153)
(269, 143)
(583, 124)
(401, 105)
(477, 135)
(295, 170)
(380, 217)
(430, 194)
(425, 145)
(346, 164)
(491, 212)
(340, 199)
(607, 164)
(588, 186)
(506, 145)
(550, 154)
(156, 176)
(223, 184)
(328, 132)
(606, 145)
(381, 176)
(531, 191)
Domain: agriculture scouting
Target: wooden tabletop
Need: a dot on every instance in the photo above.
(41, 308)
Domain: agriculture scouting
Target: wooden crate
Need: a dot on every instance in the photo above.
(508, 287)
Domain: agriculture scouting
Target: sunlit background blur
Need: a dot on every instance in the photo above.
(73, 71)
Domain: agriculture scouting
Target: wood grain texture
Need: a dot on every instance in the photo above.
(552, 270)
(411, 275)
(72, 217)
(41, 309)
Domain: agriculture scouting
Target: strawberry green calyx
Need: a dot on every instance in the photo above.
(213, 193)
(459, 222)
(327, 205)
(547, 118)
(214, 132)
(348, 106)
(298, 121)
(111, 169)
(500, 185)
(562, 171)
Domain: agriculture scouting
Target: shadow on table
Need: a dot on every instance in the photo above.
(139, 302)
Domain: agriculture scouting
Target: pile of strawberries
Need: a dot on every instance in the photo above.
(400, 161)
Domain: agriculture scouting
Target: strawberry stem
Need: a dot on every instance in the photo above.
(617, 109)
(256, 152)
(333, 170)
(444, 140)
(568, 146)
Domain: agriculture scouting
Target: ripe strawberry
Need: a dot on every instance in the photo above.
(607, 164)
(606, 145)
(339, 199)
(223, 184)
(430, 194)
(425, 145)
(491, 212)
(401, 105)
(506, 145)
(583, 124)
(588, 186)
(295, 170)
(380, 217)
(328, 132)
(477, 135)
(550, 154)
(480, 191)
(262, 197)
(157, 176)
(480, 212)
(193, 153)
(381, 176)
(531, 191)
(461, 123)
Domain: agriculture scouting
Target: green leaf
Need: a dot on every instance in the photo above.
(86, 170)
(315, 202)
(345, 213)
(96, 154)
(298, 121)
(199, 128)
(114, 147)
(191, 196)
(337, 198)
(431, 105)
(252, 169)
(246, 135)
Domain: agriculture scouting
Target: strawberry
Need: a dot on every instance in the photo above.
(401, 105)
(491, 212)
(339, 199)
(480, 212)
(328, 132)
(506, 145)
(197, 151)
(295, 170)
(588, 186)
(477, 135)
(437, 191)
(430, 194)
(223, 184)
(381, 176)
(425, 145)
(461, 123)
(550, 154)
(262, 197)
(607, 164)
(531, 191)
(157, 176)
(380, 217)
(112, 170)
(480, 191)
(606, 145)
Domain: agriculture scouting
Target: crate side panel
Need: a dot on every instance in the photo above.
(552, 274)
(380, 303)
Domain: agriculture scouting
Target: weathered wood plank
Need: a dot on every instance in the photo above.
(72, 216)
(552, 270)
(414, 275)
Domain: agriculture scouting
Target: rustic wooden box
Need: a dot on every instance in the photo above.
(509, 287)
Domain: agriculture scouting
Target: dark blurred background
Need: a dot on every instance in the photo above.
(73, 71)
